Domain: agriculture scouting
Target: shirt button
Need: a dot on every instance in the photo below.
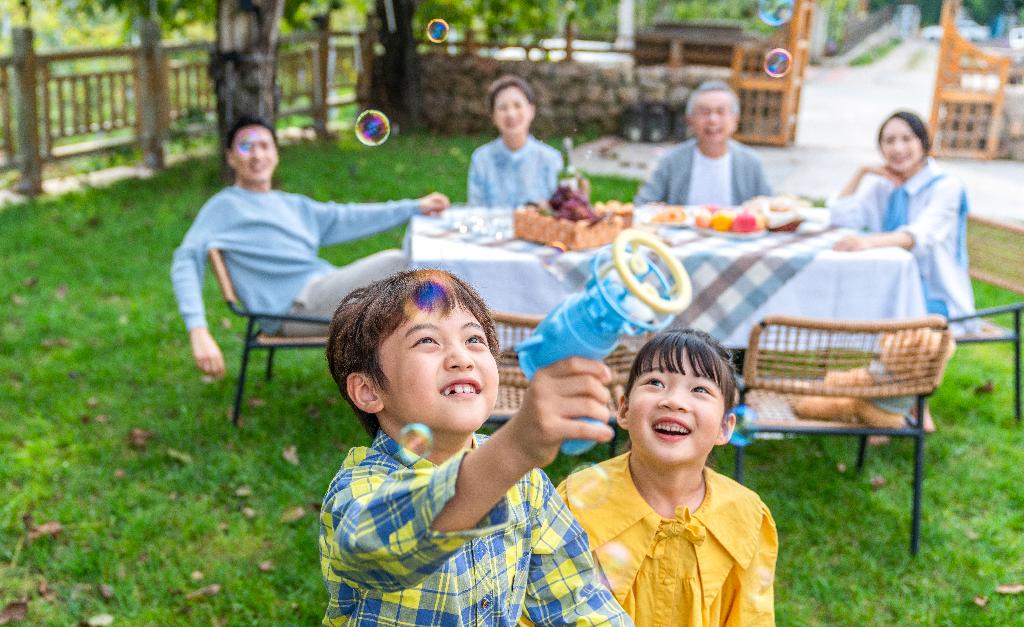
(486, 603)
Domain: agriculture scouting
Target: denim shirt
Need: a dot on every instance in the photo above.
(499, 177)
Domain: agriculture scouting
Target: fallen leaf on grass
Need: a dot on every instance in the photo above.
(138, 438)
(18, 300)
(92, 401)
(53, 342)
(44, 591)
(224, 322)
(51, 528)
(197, 575)
(293, 514)
(985, 388)
(291, 455)
(266, 566)
(841, 467)
(249, 513)
(30, 281)
(206, 591)
(981, 601)
(243, 491)
(1010, 588)
(256, 401)
(877, 481)
(971, 534)
(223, 526)
(15, 610)
(177, 455)
(207, 379)
(107, 592)
(312, 411)
(100, 620)
(119, 473)
(102, 418)
(61, 292)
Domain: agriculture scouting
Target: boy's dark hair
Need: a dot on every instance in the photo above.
(671, 350)
(916, 124)
(505, 82)
(242, 122)
(368, 315)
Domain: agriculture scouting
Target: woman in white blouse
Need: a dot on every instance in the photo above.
(907, 202)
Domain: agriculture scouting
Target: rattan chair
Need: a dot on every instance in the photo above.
(514, 328)
(255, 338)
(789, 358)
(994, 250)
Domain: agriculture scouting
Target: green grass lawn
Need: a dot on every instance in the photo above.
(91, 347)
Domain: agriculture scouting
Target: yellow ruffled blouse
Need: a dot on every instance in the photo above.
(714, 566)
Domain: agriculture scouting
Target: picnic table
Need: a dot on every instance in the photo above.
(736, 282)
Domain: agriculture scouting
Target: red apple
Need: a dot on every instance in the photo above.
(745, 222)
(702, 219)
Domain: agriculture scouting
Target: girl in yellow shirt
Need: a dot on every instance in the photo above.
(679, 544)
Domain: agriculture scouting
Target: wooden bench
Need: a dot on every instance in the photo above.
(995, 251)
(255, 337)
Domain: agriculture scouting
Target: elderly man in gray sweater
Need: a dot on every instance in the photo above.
(709, 168)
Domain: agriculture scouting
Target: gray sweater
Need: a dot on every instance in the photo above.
(670, 182)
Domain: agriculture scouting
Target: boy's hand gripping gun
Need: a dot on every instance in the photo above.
(637, 298)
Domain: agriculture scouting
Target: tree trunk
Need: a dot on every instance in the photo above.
(399, 73)
(244, 63)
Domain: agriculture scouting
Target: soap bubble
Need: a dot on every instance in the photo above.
(416, 440)
(777, 62)
(775, 12)
(372, 127)
(587, 486)
(244, 147)
(613, 560)
(745, 418)
(437, 30)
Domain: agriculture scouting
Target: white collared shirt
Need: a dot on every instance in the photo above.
(932, 221)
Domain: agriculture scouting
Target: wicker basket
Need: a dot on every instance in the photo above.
(531, 225)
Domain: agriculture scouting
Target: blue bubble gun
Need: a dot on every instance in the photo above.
(637, 298)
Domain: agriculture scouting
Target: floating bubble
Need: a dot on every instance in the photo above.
(775, 12)
(613, 560)
(437, 30)
(745, 418)
(416, 440)
(372, 127)
(777, 62)
(587, 486)
(244, 147)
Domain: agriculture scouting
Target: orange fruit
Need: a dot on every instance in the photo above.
(721, 221)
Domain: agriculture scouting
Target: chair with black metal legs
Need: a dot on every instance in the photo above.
(847, 368)
(255, 338)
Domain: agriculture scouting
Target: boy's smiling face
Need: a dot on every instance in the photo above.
(675, 419)
(440, 372)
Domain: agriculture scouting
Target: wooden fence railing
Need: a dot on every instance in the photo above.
(89, 101)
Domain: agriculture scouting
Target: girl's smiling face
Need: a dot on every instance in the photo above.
(675, 418)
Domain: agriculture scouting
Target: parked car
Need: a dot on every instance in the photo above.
(973, 31)
(931, 33)
(1016, 37)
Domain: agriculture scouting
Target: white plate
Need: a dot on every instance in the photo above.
(731, 234)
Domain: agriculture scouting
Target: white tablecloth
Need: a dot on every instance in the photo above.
(876, 284)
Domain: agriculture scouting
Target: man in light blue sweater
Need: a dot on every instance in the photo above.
(271, 240)
(710, 168)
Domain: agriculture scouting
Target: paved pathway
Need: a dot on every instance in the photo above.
(839, 116)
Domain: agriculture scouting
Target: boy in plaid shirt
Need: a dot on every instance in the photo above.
(474, 533)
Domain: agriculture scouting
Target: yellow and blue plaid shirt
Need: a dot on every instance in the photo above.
(383, 564)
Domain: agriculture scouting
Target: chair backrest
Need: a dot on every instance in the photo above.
(994, 252)
(839, 358)
(220, 270)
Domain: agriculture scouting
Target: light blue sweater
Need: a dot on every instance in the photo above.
(499, 177)
(270, 242)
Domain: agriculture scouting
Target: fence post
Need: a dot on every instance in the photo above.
(151, 93)
(322, 82)
(31, 182)
(568, 39)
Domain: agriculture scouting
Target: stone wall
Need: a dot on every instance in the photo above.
(1012, 142)
(570, 96)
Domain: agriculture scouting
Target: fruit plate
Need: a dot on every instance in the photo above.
(731, 234)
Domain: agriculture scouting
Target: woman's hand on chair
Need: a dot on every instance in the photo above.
(434, 203)
(207, 354)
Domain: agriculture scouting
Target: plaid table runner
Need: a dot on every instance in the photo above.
(731, 278)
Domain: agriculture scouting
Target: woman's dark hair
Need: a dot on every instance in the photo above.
(505, 82)
(674, 351)
(244, 121)
(916, 125)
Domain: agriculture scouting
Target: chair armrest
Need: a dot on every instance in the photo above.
(280, 317)
(990, 311)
